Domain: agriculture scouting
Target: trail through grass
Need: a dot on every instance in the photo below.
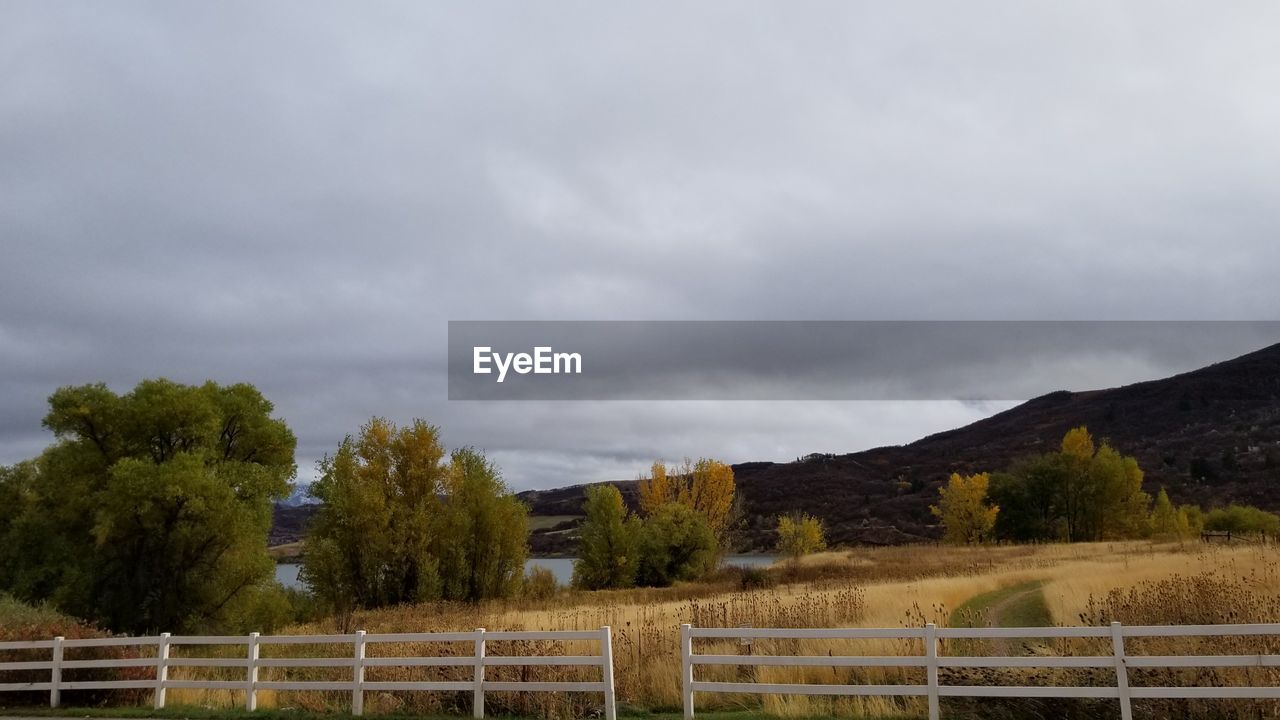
(1021, 605)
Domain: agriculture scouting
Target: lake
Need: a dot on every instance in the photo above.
(287, 573)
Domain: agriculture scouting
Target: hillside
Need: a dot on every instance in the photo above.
(1210, 436)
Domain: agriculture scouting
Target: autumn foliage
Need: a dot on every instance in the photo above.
(706, 487)
(962, 507)
(680, 532)
(800, 534)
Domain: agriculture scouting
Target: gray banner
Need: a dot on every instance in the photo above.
(828, 360)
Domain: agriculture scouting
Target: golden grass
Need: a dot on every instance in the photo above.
(888, 587)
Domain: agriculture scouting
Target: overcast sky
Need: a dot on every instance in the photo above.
(301, 195)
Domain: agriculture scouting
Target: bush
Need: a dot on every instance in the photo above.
(540, 583)
(755, 578)
(676, 543)
(1243, 519)
(20, 622)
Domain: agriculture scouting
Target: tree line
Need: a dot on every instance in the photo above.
(1084, 491)
(150, 513)
(151, 509)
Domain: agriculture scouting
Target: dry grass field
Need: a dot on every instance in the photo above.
(1135, 582)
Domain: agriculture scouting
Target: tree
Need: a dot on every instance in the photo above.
(1078, 444)
(151, 511)
(485, 530)
(710, 492)
(800, 534)
(371, 541)
(1083, 492)
(1029, 496)
(608, 546)
(1168, 522)
(1118, 508)
(1195, 518)
(706, 487)
(656, 490)
(676, 543)
(401, 525)
(1077, 493)
(962, 507)
(17, 492)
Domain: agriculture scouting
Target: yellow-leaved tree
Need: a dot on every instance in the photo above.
(962, 507)
(800, 534)
(710, 493)
(656, 490)
(707, 487)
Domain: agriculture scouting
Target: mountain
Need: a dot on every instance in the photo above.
(1210, 437)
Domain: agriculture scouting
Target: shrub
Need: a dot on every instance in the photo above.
(755, 578)
(676, 543)
(540, 583)
(20, 622)
(1243, 519)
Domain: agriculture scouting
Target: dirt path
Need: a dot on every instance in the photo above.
(1016, 606)
(1009, 612)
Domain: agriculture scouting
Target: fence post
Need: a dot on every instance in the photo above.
(1122, 671)
(162, 669)
(686, 668)
(55, 675)
(251, 686)
(477, 694)
(357, 675)
(931, 667)
(606, 666)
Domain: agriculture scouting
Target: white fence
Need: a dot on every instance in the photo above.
(931, 661)
(357, 660)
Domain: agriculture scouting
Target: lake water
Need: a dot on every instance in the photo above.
(287, 573)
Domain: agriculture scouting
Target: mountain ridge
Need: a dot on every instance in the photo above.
(1208, 436)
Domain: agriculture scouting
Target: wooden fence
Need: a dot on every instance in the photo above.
(931, 661)
(357, 660)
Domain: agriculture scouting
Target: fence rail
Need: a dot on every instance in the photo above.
(356, 660)
(932, 661)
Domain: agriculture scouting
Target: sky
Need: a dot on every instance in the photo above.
(301, 195)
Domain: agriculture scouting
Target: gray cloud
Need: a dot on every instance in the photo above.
(301, 194)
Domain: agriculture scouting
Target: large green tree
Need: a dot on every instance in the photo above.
(151, 511)
(608, 545)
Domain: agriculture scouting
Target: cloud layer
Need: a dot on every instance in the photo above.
(302, 194)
